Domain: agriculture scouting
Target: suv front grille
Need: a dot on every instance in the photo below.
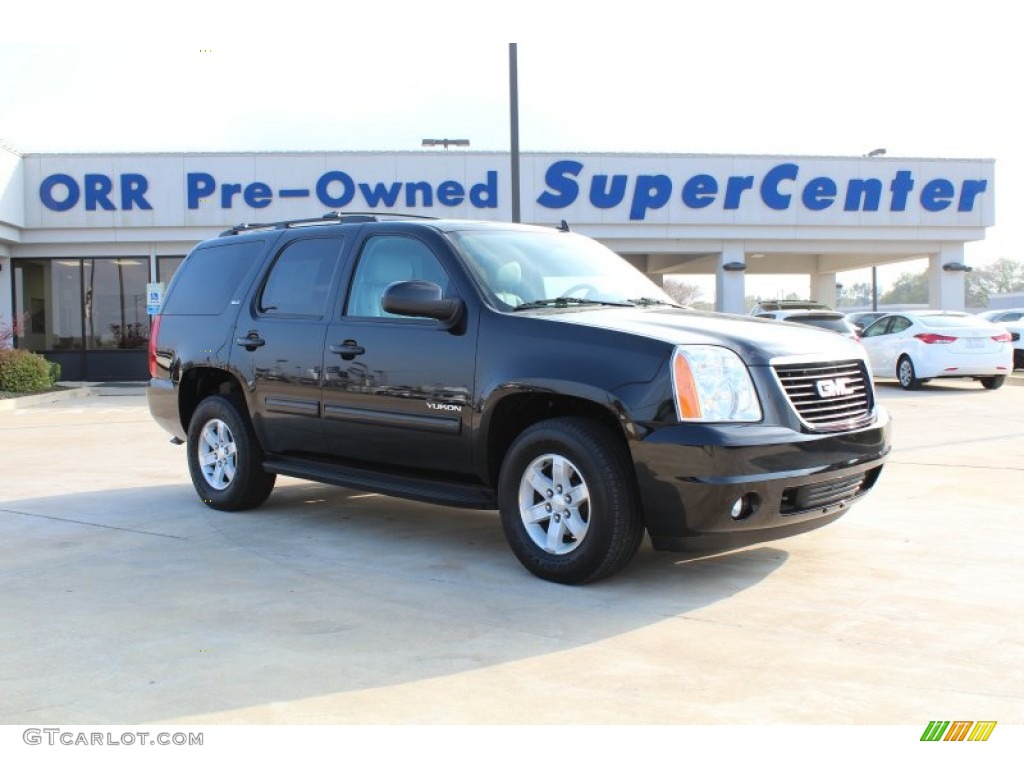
(828, 396)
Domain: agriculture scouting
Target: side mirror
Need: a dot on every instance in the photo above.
(419, 298)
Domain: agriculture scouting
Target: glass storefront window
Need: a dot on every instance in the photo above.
(49, 294)
(89, 315)
(114, 302)
(81, 304)
(166, 266)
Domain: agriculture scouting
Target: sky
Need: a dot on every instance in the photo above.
(789, 77)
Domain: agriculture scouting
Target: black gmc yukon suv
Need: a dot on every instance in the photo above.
(509, 367)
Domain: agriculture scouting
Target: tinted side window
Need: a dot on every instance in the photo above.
(210, 277)
(386, 260)
(300, 278)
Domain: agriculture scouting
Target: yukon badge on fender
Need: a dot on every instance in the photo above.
(505, 367)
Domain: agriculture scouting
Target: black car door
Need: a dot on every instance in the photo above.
(398, 390)
(279, 342)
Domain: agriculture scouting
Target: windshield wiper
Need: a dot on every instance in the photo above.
(570, 301)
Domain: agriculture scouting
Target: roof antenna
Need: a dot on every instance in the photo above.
(564, 226)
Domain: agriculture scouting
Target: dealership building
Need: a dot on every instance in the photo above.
(86, 239)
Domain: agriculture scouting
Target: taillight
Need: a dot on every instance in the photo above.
(1007, 336)
(152, 345)
(935, 338)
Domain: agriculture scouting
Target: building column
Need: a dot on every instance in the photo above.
(823, 288)
(6, 300)
(730, 286)
(946, 289)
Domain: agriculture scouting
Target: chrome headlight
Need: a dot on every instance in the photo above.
(712, 384)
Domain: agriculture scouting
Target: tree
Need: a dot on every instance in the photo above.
(684, 293)
(9, 330)
(1001, 276)
(752, 299)
(856, 295)
(907, 289)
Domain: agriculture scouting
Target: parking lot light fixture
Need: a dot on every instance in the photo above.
(446, 143)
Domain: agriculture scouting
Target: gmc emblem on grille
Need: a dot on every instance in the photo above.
(835, 387)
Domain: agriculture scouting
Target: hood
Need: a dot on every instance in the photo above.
(756, 341)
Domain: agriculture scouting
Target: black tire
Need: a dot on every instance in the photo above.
(906, 375)
(992, 382)
(599, 531)
(1018, 359)
(230, 475)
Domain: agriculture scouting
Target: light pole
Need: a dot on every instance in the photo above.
(513, 109)
(874, 270)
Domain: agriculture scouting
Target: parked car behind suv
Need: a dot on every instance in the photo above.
(508, 367)
(916, 347)
(1013, 321)
(778, 305)
(862, 320)
(816, 318)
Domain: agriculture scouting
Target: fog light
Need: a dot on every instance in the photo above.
(745, 506)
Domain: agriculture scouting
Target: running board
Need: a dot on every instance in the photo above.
(450, 493)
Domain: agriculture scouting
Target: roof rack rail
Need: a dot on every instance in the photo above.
(334, 217)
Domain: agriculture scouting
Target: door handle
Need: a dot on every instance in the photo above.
(251, 341)
(348, 349)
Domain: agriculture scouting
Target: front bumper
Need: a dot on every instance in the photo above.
(714, 486)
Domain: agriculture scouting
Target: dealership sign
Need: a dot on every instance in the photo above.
(334, 189)
(691, 189)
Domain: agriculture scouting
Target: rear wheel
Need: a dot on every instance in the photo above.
(992, 382)
(568, 501)
(224, 457)
(906, 374)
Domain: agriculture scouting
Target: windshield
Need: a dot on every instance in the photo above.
(526, 268)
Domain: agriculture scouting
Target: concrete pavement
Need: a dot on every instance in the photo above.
(125, 600)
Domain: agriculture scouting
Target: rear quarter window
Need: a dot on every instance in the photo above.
(210, 277)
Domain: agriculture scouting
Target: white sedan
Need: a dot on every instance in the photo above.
(1013, 321)
(914, 347)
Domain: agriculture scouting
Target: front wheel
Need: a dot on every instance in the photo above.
(568, 499)
(992, 382)
(906, 374)
(224, 457)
